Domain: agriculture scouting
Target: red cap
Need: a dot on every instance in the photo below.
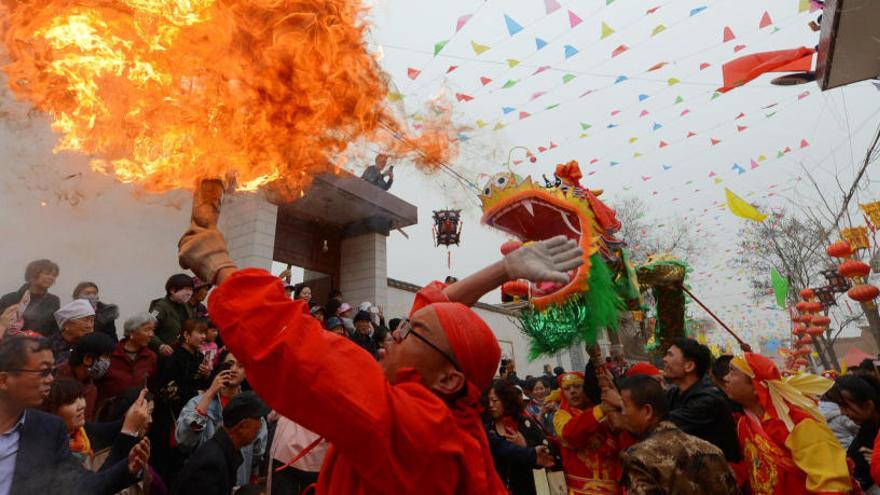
(472, 341)
(642, 368)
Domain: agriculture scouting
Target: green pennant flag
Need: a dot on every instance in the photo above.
(780, 287)
(567, 78)
(439, 46)
(509, 84)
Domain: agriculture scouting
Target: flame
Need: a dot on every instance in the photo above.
(166, 92)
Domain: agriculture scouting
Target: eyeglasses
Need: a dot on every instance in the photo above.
(405, 329)
(44, 373)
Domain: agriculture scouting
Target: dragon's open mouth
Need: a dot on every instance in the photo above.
(530, 217)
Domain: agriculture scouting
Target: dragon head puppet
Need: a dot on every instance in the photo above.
(561, 315)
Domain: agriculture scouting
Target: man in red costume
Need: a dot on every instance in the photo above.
(590, 450)
(406, 425)
(786, 444)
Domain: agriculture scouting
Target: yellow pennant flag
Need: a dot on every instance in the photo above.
(606, 31)
(743, 209)
(478, 48)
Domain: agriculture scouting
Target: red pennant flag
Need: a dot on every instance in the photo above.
(738, 48)
(451, 68)
(714, 141)
(463, 97)
(620, 49)
(786, 150)
(485, 80)
(657, 66)
(728, 34)
(765, 20)
(746, 68)
(594, 160)
(541, 149)
(517, 162)
(741, 115)
(684, 112)
(523, 115)
(705, 65)
(652, 10)
(663, 144)
(741, 128)
(552, 145)
(413, 73)
(804, 143)
(691, 134)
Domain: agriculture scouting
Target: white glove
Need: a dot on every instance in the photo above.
(544, 261)
(202, 248)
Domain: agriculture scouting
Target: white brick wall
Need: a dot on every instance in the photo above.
(364, 274)
(248, 223)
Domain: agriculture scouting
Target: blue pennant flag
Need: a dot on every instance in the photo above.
(614, 164)
(570, 51)
(507, 110)
(697, 10)
(657, 126)
(666, 167)
(611, 126)
(643, 97)
(540, 43)
(620, 79)
(513, 27)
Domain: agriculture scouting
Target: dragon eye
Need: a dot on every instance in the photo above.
(501, 181)
(487, 192)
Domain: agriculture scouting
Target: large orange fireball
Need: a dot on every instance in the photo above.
(164, 92)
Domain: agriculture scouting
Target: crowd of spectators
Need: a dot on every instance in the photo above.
(158, 405)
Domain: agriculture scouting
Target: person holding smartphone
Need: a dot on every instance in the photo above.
(202, 416)
(375, 175)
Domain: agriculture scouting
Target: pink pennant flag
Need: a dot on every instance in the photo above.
(728, 34)
(714, 141)
(765, 20)
(787, 150)
(711, 174)
(691, 134)
(803, 95)
(585, 93)
(741, 115)
(741, 128)
(620, 49)
(551, 6)
(643, 113)
(738, 48)
(461, 22)
(463, 97)
(663, 144)
(754, 164)
(573, 19)
(705, 65)
(538, 95)
(451, 68)
(485, 80)
(540, 69)
(804, 143)
(593, 161)
(646, 178)
(614, 112)
(684, 112)
(523, 115)
(654, 193)
(541, 149)
(413, 73)
(552, 145)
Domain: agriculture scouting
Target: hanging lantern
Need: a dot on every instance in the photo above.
(815, 330)
(447, 227)
(872, 211)
(836, 282)
(857, 237)
(840, 249)
(802, 351)
(821, 321)
(854, 268)
(799, 330)
(801, 306)
(825, 295)
(805, 340)
(863, 293)
(806, 318)
(801, 362)
(796, 319)
(813, 307)
(807, 294)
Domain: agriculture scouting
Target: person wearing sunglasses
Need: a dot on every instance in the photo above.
(406, 424)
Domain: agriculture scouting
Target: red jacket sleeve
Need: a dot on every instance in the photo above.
(875, 461)
(578, 431)
(325, 382)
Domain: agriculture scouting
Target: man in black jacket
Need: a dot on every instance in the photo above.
(696, 406)
(35, 453)
(212, 468)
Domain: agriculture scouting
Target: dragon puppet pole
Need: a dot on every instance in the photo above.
(745, 347)
(206, 202)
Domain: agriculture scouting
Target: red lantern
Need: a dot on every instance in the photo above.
(796, 318)
(840, 249)
(805, 340)
(854, 268)
(807, 294)
(800, 362)
(799, 330)
(806, 319)
(801, 306)
(802, 351)
(821, 321)
(815, 330)
(863, 292)
(813, 307)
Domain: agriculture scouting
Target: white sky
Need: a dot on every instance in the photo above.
(836, 125)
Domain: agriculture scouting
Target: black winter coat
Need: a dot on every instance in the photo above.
(40, 313)
(703, 411)
(212, 468)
